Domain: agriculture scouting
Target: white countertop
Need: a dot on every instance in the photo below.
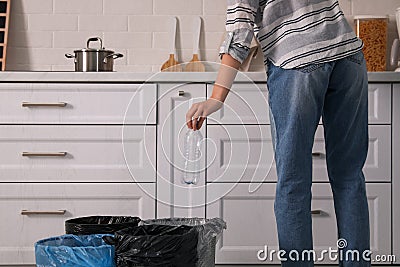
(161, 77)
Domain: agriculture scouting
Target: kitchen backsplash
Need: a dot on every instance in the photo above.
(42, 31)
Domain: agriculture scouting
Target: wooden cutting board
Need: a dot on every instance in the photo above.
(195, 65)
(172, 64)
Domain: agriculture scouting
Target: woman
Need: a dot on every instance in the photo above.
(315, 68)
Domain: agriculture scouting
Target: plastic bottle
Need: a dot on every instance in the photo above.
(192, 156)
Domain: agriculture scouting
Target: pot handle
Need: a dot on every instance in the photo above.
(94, 39)
(69, 56)
(113, 56)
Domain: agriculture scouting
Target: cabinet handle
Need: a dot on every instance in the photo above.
(33, 105)
(181, 93)
(317, 212)
(50, 212)
(44, 154)
(317, 155)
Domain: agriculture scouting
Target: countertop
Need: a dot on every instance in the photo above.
(161, 77)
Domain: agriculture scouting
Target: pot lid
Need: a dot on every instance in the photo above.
(93, 50)
(89, 49)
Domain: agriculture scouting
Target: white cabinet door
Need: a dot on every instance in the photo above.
(324, 222)
(77, 103)
(176, 199)
(251, 224)
(247, 103)
(244, 153)
(379, 103)
(240, 153)
(396, 172)
(20, 232)
(377, 167)
(250, 220)
(77, 153)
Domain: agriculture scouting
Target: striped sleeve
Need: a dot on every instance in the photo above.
(240, 28)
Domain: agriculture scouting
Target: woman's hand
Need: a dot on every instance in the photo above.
(199, 111)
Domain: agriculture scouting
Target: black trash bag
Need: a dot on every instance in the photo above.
(99, 224)
(209, 231)
(155, 245)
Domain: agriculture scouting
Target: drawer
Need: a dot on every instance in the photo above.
(238, 203)
(240, 153)
(64, 103)
(244, 153)
(248, 104)
(379, 103)
(19, 232)
(245, 104)
(377, 167)
(324, 225)
(77, 153)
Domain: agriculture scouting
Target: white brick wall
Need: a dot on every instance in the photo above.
(42, 31)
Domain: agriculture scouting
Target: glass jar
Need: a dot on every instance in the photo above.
(372, 30)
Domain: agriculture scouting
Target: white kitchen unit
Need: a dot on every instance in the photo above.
(241, 151)
(71, 150)
(77, 153)
(175, 198)
(377, 167)
(79, 144)
(251, 227)
(76, 103)
(33, 211)
(247, 103)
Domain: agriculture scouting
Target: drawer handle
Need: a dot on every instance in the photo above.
(317, 212)
(318, 155)
(54, 212)
(44, 154)
(35, 105)
(181, 93)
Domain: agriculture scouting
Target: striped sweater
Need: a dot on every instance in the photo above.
(292, 33)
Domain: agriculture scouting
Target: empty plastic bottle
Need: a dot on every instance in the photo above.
(192, 156)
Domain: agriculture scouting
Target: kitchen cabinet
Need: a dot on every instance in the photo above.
(72, 150)
(247, 103)
(379, 103)
(174, 198)
(244, 153)
(240, 153)
(77, 103)
(377, 167)
(124, 144)
(81, 153)
(251, 222)
(396, 171)
(240, 150)
(22, 206)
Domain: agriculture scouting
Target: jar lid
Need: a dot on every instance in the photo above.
(371, 17)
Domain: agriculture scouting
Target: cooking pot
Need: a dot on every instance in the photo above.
(91, 59)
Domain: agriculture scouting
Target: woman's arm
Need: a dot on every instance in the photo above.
(226, 75)
(235, 49)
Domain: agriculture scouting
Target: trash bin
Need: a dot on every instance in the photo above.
(99, 224)
(209, 230)
(74, 251)
(155, 245)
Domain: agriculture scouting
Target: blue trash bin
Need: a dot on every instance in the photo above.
(74, 251)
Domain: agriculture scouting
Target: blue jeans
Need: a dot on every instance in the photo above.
(337, 91)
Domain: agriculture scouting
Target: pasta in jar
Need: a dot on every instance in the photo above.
(373, 32)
